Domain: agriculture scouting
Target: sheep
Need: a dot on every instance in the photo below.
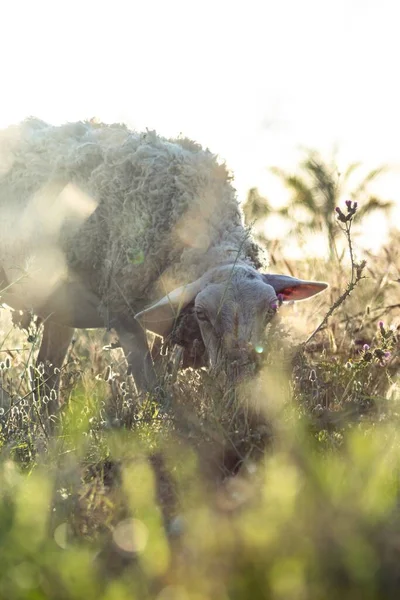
(106, 227)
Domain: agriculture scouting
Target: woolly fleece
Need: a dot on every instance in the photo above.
(161, 212)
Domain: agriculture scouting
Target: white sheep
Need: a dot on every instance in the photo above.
(97, 222)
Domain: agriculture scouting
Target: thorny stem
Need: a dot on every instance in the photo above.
(383, 310)
(347, 231)
(339, 301)
(356, 276)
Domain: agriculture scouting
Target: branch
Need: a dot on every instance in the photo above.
(352, 284)
(356, 268)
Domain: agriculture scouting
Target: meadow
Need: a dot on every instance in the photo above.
(286, 488)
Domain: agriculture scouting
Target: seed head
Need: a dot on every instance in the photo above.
(313, 375)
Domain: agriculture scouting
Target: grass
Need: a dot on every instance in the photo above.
(287, 490)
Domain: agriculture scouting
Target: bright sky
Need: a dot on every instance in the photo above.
(252, 80)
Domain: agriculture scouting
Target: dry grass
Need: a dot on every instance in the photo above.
(286, 489)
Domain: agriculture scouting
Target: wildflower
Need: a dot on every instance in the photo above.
(366, 347)
(351, 207)
(381, 325)
(351, 211)
(342, 218)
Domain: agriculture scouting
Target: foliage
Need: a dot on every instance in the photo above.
(315, 191)
(287, 488)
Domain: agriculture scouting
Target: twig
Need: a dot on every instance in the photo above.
(347, 232)
(356, 268)
(338, 302)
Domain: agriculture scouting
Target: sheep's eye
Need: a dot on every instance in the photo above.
(201, 315)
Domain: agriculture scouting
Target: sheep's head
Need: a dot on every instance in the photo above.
(227, 311)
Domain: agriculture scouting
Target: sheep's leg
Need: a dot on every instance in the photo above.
(55, 342)
(134, 344)
(72, 304)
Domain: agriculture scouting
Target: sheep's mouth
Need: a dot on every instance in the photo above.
(240, 371)
(234, 367)
(236, 371)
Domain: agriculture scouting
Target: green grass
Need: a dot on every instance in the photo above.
(288, 490)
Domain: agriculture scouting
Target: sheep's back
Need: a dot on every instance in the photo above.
(132, 212)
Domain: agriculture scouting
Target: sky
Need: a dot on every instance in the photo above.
(252, 80)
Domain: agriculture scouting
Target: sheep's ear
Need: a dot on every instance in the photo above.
(160, 318)
(292, 288)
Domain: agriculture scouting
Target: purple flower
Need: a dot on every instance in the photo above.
(387, 354)
(366, 347)
(348, 203)
(338, 210)
(380, 325)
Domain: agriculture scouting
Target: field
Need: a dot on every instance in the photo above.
(286, 488)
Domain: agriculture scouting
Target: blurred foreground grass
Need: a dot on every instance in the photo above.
(127, 501)
(304, 524)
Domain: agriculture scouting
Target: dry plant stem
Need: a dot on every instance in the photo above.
(356, 276)
(347, 232)
(336, 305)
(382, 310)
(27, 395)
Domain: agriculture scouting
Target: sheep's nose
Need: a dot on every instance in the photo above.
(241, 350)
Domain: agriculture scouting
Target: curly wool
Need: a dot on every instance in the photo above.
(166, 209)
